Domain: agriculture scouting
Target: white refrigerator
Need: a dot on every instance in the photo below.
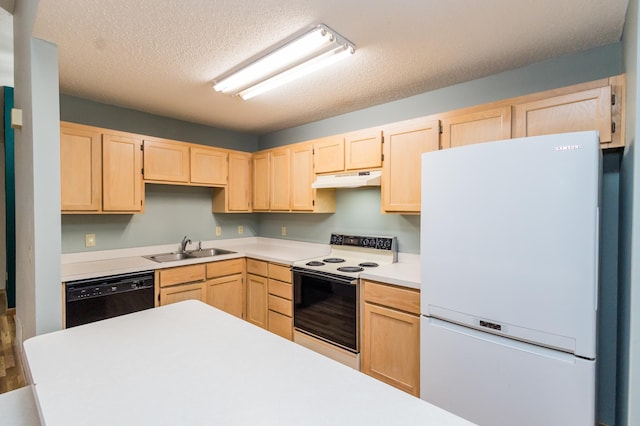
(509, 271)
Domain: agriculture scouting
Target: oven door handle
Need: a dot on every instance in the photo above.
(324, 275)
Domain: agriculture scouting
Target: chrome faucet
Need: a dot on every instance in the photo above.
(183, 244)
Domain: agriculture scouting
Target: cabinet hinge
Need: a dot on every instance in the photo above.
(313, 151)
(142, 171)
(382, 157)
(141, 147)
(613, 127)
(613, 99)
(440, 129)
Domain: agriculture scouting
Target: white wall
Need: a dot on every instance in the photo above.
(37, 165)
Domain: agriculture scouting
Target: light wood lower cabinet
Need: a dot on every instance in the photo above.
(257, 300)
(220, 284)
(270, 297)
(224, 288)
(391, 335)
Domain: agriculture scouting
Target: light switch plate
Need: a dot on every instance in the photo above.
(240, 229)
(284, 230)
(89, 240)
(218, 231)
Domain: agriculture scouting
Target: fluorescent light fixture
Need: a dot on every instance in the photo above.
(312, 51)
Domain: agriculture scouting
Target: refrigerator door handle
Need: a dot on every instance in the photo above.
(503, 341)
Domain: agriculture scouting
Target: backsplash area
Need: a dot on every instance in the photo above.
(358, 212)
(174, 211)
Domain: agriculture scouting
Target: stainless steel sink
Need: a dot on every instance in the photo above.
(209, 252)
(168, 257)
(191, 254)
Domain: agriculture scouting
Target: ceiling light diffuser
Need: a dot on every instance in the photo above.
(312, 51)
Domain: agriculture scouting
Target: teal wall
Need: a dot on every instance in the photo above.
(357, 212)
(78, 110)
(171, 212)
(564, 71)
(628, 401)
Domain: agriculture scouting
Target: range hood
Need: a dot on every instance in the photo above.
(348, 180)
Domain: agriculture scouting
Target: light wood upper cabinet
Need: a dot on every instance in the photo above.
(584, 110)
(208, 166)
(391, 335)
(329, 154)
(236, 196)
(80, 169)
(475, 126)
(302, 176)
(122, 184)
(363, 149)
(279, 179)
(261, 182)
(401, 172)
(166, 161)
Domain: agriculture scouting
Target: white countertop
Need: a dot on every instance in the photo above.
(405, 273)
(191, 364)
(78, 266)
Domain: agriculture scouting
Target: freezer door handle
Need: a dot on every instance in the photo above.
(503, 341)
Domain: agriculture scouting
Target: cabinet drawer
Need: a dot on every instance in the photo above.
(281, 325)
(225, 267)
(284, 290)
(401, 298)
(181, 274)
(281, 305)
(280, 272)
(257, 267)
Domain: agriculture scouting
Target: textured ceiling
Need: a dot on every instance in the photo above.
(162, 56)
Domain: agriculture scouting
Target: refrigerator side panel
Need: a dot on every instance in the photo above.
(494, 381)
(509, 234)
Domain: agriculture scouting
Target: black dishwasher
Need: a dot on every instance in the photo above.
(96, 299)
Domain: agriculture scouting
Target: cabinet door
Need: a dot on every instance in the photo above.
(261, 188)
(166, 161)
(280, 174)
(579, 111)
(226, 294)
(476, 127)
(281, 325)
(122, 186)
(302, 195)
(239, 185)
(363, 149)
(178, 293)
(391, 347)
(328, 154)
(208, 166)
(257, 300)
(401, 175)
(80, 169)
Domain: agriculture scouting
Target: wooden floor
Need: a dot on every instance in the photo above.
(11, 375)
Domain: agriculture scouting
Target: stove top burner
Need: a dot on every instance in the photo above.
(368, 264)
(315, 263)
(350, 269)
(333, 260)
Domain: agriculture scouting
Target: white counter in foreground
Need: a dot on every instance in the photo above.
(191, 364)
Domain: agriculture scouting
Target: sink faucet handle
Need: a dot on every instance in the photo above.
(199, 245)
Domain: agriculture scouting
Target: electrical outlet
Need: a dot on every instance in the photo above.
(89, 240)
(283, 231)
(218, 231)
(240, 229)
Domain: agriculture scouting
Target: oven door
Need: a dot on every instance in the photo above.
(326, 307)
